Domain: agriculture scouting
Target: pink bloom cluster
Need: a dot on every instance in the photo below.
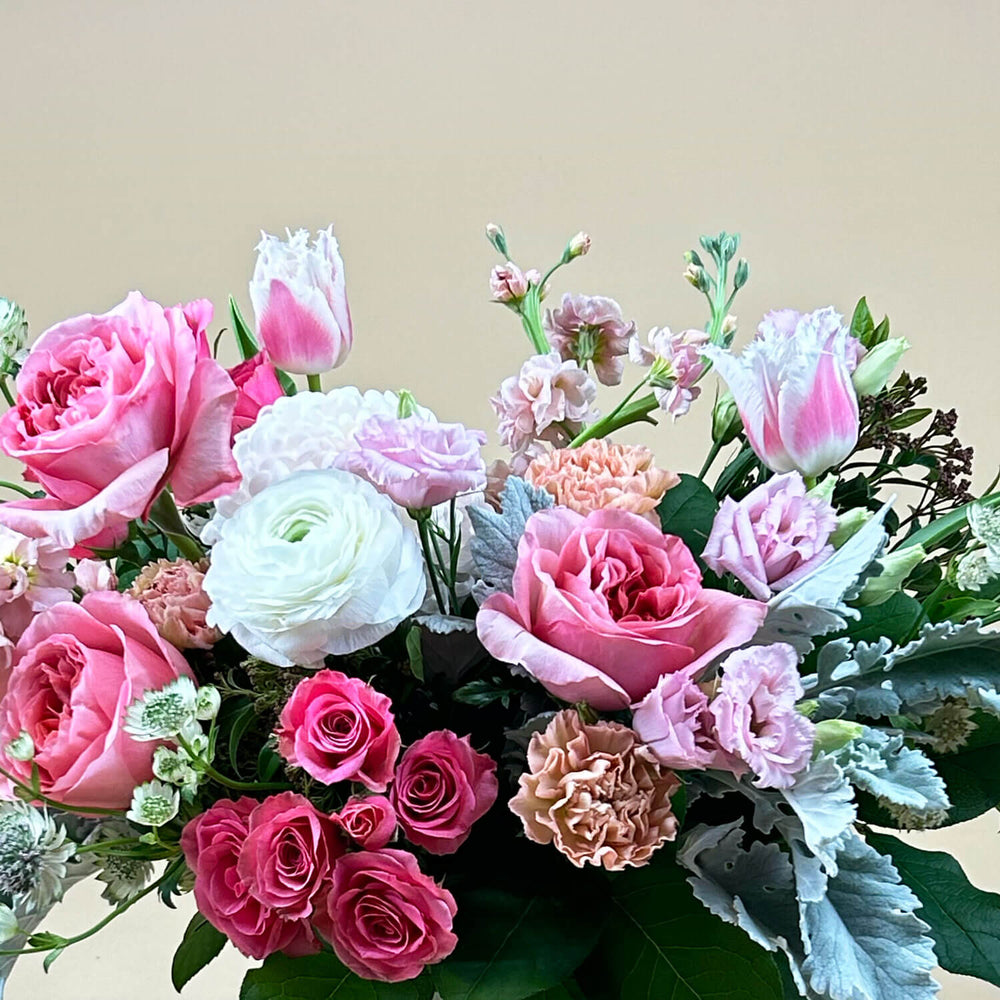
(676, 359)
(591, 328)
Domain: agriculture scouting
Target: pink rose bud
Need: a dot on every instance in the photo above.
(258, 385)
(508, 283)
(300, 299)
(370, 821)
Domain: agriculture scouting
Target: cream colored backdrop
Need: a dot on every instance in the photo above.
(854, 145)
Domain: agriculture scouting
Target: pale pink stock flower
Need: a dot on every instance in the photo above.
(174, 597)
(33, 577)
(773, 537)
(508, 283)
(677, 365)
(793, 389)
(300, 299)
(755, 715)
(94, 574)
(548, 400)
(591, 328)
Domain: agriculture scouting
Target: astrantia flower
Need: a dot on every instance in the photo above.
(976, 569)
(34, 850)
(589, 328)
(33, 576)
(123, 877)
(159, 715)
(174, 767)
(154, 804)
(13, 335)
(950, 726)
(319, 563)
(677, 365)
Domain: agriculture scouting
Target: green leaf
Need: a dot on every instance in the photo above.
(568, 990)
(660, 941)
(895, 619)
(245, 340)
(200, 944)
(50, 958)
(244, 719)
(269, 764)
(972, 775)
(688, 511)
(482, 692)
(959, 609)
(964, 920)
(322, 977)
(415, 652)
(862, 323)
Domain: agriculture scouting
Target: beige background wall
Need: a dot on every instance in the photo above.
(853, 144)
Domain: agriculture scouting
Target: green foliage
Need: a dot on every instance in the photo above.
(323, 977)
(972, 774)
(245, 340)
(895, 619)
(687, 511)
(201, 943)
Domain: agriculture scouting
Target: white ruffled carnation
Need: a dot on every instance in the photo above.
(305, 431)
(319, 563)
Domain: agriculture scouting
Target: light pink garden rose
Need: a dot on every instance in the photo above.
(417, 462)
(588, 328)
(33, 577)
(338, 728)
(299, 296)
(442, 787)
(76, 669)
(368, 820)
(174, 597)
(287, 859)
(212, 843)
(606, 604)
(755, 716)
(677, 366)
(792, 386)
(112, 408)
(773, 537)
(257, 383)
(385, 919)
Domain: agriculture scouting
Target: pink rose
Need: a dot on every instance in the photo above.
(212, 843)
(112, 408)
(338, 728)
(287, 857)
(370, 821)
(442, 787)
(606, 604)
(76, 669)
(385, 919)
(256, 381)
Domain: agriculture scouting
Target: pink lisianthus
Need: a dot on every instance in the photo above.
(338, 728)
(385, 919)
(442, 787)
(792, 386)
(591, 328)
(755, 715)
(213, 843)
(417, 462)
(112, 408)
(173, 594)
(605, 605)
(256, 380)
(369, 821)
(677, 362)
(76, 668)
(33, 577)
(773, 537)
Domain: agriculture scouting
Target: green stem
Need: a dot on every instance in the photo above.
(425, 543)
(315, 383)
(939, 531)
(712, 456)
(620, 417)
(165, 515)
(202, 765)
(17, 489)
(6, 391)
(36, 796)
(446, 578)
(531, 320)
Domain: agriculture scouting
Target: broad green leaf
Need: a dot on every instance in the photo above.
(200, 944)
(862, 323)
(964, 920)
(322, 977)
(569, 990)
(245, 340)
(688, 511)
(895, 619)
(414, 652)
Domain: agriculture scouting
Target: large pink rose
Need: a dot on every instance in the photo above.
(338, 728)
(76, 669)
(385, 919)
(112, 408)
(212, 843)
(442, 787)
(605, 605)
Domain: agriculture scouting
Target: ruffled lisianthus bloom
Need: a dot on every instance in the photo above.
(442, 788)
(596, 792)
(755, 715)
(173, 593)
(112, 408)
(338, 728)
(76, 667)
(368, 820)
(600, 475)
(417, 462)
(319, 563)
(305, 431)
(587, 328)
(603, 605)
(773, 537)
(676, 359)
(33, 577)
(792, 386)
(256, 380)
(385, 918)
(548, 400)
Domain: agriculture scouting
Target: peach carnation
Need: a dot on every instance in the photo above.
(596, 792)
(175, 600)
(599, 474)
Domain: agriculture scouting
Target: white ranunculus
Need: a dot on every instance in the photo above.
(305, 431)
(318, 563)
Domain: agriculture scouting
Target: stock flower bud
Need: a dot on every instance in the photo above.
(508, 283)
(577, 247)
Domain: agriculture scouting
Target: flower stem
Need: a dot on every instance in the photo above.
(203, 765)
(423, 530)
(36, 796)
(315, 383)
(625, 413)
(165, 515)
(531, 320)
(6, 391)
(712, 455)
(17, 489)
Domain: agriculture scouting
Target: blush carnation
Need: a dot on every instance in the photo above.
(588, 328)
(773, 537)
(596, 792)
(369, 821)
(33, 577)
(174, 597)
(338, 728)
(256, 381)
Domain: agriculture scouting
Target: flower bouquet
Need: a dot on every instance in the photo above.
(569, 727)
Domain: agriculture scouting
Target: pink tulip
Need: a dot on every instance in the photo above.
(299, 297)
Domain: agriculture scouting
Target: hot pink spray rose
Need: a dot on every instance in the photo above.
(773, 537)
(109, 410)
(257, 382)
(369, 820)
(76, 668)
(212, 843)
(605, 605)
(442, 787)
(338, 728)
(385, 919)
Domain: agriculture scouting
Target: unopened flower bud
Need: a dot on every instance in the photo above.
(896, 567)
(729, 325)
(691, 257)
(13, 336)
(207, 703)
(742, 273)
(834, 734)
(407, 404)
(848, 524)
(495, 235)
(696, 275)
(508, 283)
(726, 422)
(876, 367)
(576, 247)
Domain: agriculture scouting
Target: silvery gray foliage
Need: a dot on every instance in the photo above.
(494, 545)
(445, 624)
